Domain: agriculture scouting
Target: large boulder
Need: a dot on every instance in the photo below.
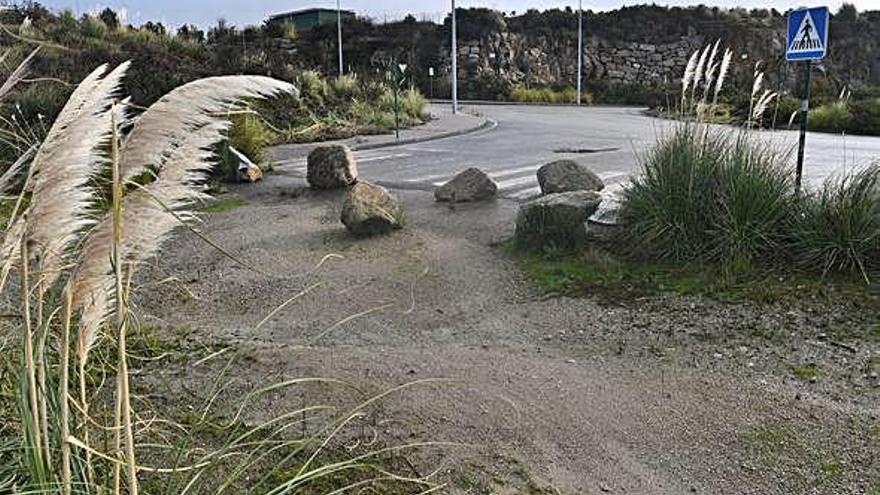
(556, 221)
(331, 167)
(471, 185)
(568, 175)
(370, 210)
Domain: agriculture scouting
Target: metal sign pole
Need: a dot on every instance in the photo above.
(339, 35)
(805, 113)
(580, 49)
(454, 63)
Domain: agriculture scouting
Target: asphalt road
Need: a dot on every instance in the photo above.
(607, 139)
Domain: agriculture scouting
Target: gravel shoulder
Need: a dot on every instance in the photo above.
(667, 394)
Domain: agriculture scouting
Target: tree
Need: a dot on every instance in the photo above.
(847, 13)
(109, 18)
(155, 27)
(190, 32)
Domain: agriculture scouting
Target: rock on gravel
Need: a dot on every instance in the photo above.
(371, 210)
(568, 175)
(556, 220)
(331, 167)
(471, 185)
(247, 170)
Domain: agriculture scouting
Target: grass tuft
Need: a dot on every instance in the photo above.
(707, 195)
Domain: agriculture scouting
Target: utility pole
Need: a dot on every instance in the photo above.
(339, 35)
(580, 49)
(454, 63)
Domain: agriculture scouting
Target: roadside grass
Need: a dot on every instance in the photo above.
(594, 272)
(807, 372)
(777, 448)
(225, 203)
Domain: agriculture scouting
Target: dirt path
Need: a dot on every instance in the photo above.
(557, 395)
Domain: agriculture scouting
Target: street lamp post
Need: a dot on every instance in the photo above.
(580, 50)
(397, 85)
(339, 35)
(454, 63)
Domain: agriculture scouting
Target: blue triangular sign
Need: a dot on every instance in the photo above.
(807, 34)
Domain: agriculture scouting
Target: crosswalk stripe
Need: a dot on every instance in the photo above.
(512, 183)
(526, 193)
(514, 171)
(382, 157)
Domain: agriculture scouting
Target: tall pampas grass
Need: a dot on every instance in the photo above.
(169, 152)
(699, 70)
(722, 73)
(711, 71)
(688, 76)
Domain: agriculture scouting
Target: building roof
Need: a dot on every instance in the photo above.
(295, 13)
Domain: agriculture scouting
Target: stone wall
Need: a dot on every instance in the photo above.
(541, 61)
(520, 59)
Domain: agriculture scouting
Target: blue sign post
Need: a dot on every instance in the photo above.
(807, 40)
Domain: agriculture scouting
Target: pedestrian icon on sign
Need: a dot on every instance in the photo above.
(806, 40)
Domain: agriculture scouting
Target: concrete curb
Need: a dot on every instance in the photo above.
(494, 103)
(485, 125)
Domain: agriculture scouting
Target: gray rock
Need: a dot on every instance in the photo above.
(331, 167)
(556, 220)
(568, 175)
(371, 210)
(471, 185)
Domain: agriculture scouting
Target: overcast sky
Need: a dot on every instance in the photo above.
(240, 12)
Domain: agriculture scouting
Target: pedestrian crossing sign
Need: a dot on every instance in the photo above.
(807, 34)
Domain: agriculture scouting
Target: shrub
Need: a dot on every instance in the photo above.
(865, 116)
(312, 86)
(840, 226)
(708, 195)
(521, 94)
(344, 87)
(250, 135)
(413, 105)
(830, 117)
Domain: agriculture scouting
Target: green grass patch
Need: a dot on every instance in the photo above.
(594, 272)
(807, 372)
(832, 469)
(225, 203)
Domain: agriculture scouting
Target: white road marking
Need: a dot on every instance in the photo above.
(382, 157)
(513, 183)
(527, 193)
(612, 176)
(513, 171)
(290, 162)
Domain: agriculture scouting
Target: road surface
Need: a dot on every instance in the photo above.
(607, 139)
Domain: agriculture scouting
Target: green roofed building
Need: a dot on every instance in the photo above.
(304, 20)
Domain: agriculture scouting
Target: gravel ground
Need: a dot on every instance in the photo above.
(665, 394)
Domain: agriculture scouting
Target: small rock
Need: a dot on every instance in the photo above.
(251, 174)
(370, 210)
(568, 175)
(331, 167)
(471, 185)
(247, 170)
(605, 488)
